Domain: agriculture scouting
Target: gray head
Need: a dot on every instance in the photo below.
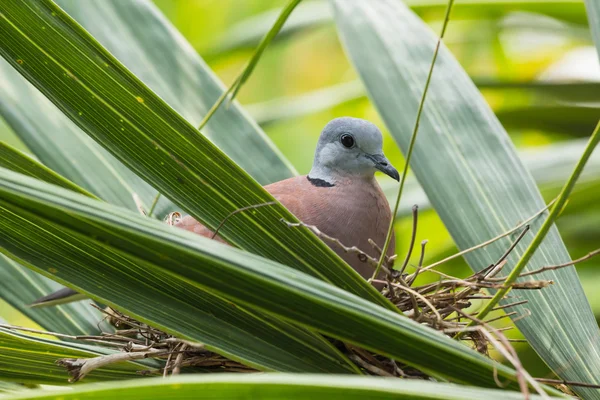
(349, 147)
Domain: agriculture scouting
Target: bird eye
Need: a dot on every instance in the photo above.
(347, 140)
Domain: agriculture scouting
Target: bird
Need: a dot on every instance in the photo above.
(339, 196)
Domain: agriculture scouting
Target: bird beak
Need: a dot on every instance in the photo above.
(383, 165)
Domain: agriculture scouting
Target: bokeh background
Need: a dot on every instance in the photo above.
(533, 60)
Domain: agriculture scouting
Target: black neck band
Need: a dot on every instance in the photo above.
(319, 182)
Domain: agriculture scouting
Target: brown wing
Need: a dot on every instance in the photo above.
(352, 211)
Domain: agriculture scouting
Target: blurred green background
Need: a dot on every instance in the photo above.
(533, 60)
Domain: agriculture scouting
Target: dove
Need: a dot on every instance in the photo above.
(339, 196)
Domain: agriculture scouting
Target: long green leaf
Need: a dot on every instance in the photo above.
(470, 171)
(15, 160)
(555, 210)
(168, 278)
(103, 98)
(272, 386)
(28, 359)
(19, 286)
(63, 147)
(9, 387)
(549, 166)
(573, 120)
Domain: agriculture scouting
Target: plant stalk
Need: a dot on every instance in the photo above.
(413, 138)
(245, 74)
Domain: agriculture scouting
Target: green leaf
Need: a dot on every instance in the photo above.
(9, 387)
(569, 119)
(248, 33)
(28, 359)
(273, 386)
(563, 91)
(107, 101)
(184, 284)
(550, 166)
(470, 171)
(20, 286)
(15, 160)
(63, 147)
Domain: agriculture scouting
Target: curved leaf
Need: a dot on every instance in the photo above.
(470, 171)
(136, 33)
(593, 14)
(169, 301)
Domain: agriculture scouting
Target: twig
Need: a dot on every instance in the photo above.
(138, 203)
(411, 279)
(488, 242)
(517, 303)
(80, 367)
(507, 315)
(567, 264)
(513, 245)
(419, 295)
(361, 255)
(178, 360)
(371, 368)
(166, 368)
(415, 214)
(504, 347)
(241, 79)
(413, 138)
(239, 210)
(154, 203)
(567, 383)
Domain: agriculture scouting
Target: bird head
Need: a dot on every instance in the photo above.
(350, 147)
